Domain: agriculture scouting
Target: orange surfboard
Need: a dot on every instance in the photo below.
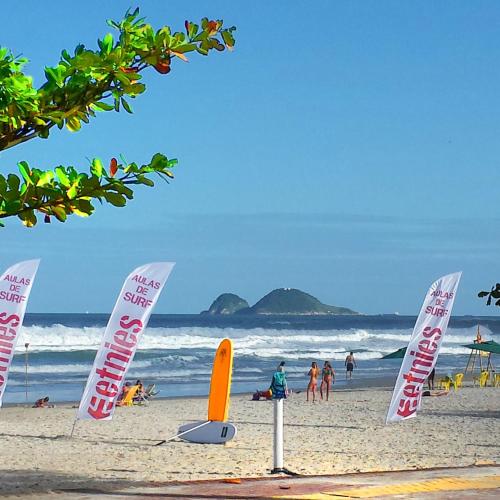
(220, 383)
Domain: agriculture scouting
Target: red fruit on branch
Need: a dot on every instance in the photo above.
(113, 167)
(162, 67)
(187, 24)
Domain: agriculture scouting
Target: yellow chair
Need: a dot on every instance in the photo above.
(482, 379)
(496, 380)
(446, 382)
(128, 400)
(458, 380)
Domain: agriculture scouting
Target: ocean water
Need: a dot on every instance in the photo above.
(176, 351)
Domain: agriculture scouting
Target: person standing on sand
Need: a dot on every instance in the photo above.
(313, 381)
(350, 363)
(430, 379)
(278, 386)
(327, 378)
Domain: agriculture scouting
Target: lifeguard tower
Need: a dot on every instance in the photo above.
(480, 356)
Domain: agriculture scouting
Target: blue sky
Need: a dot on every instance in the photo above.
(349, 149)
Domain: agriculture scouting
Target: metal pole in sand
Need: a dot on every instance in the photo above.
(278, 437)
(73, 428)
(26, 369)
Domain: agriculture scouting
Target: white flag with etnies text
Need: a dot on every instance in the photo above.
(119, 343)
(423, 348)
(15, 288)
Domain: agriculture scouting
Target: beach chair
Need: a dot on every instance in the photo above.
(128, 400)
(150, 391)
(143, 397)
(446, 382)
(496, 380)
(458, 380)
(482, 379)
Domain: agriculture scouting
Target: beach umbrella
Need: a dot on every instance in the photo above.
(399, 354)
(486, 346)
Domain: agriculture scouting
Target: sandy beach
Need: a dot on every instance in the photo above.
(344, 435)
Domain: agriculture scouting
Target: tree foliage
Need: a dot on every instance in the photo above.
(493, 294)
(81, 85)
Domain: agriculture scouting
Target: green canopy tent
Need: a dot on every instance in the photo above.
(399, 354)
(477, 350)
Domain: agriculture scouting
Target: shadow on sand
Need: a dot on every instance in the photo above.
(474, 414)
(39, 484)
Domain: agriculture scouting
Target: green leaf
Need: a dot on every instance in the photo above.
(102, 106)
(24, 169)
(73, 124)
(28, 218)
(82, 208)
(107, 43)
(65, 55)
(146, 181)
(59, 212)
(13, 181)
(158, 161)
(123, 78)
(96, 167)
(188, 47)
(72, 191)
(228, 38)
(115, 199)
(63, 178)
(126, 106)
(45, 178)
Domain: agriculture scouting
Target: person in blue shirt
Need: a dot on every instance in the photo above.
(278, 383)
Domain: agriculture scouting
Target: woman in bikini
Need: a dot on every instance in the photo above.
(313, 381)
(327, 378)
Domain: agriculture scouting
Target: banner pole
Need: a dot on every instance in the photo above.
(26, 345)
(73, 429)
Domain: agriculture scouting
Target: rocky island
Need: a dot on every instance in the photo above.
(280, 301)
(227, 303)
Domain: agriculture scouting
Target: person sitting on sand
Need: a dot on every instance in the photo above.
(125, 389)
(267, 395)
(313, 381)
(327, 379)
(350, 363)
(42, 403)
(140, 394)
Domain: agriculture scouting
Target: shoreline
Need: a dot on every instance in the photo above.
(356, 384)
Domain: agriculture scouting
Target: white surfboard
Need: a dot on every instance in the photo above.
(210, 433)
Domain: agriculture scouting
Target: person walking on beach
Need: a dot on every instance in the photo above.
(313, 381)
(327, 378)
(350, 363)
